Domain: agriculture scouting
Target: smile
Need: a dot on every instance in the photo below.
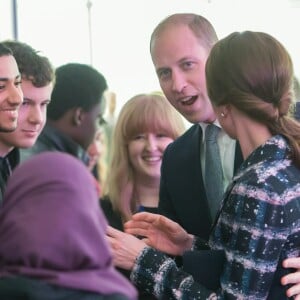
(152, 158)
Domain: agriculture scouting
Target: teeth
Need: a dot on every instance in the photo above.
(152, 158)
(186, 99)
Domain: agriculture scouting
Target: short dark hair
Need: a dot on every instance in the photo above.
(4, 50)
(31, 64)
(77, 85)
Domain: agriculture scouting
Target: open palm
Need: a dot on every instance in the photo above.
(159, 232)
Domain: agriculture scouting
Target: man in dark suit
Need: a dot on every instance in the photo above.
(179, 46)
(182, 189)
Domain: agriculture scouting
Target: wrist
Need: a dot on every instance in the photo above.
(190, 242)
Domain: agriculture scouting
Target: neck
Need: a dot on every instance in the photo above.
(147, 194)
(251, 135)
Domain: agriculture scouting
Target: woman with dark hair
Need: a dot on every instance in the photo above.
(250, 83)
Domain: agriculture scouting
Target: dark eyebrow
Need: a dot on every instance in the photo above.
(6, 78)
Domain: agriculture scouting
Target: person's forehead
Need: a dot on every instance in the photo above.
(36, 93)
(170, 31)
(8, 68)
(175, 43)
(175, 37)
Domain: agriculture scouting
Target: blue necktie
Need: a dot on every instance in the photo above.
(213, 169)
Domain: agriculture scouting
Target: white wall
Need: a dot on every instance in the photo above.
(121, 31)
(5, 19)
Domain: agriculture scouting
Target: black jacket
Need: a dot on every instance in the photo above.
(182, 193)
(51, 139)
(7, 164)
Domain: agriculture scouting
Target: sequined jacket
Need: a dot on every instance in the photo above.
(258, 226)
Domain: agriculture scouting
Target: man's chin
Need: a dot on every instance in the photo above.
(194, 119)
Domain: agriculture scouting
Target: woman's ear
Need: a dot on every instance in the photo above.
(224, 110)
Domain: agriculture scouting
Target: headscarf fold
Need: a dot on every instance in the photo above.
(52, 228)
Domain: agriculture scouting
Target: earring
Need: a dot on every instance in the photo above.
(222, 115)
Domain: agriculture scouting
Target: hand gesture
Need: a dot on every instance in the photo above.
(292, 278)
(125, 247)
(159, 232)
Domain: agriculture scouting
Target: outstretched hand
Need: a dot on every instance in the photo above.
(159, 232)
(292, 278)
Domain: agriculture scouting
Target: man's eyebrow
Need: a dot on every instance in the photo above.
(6, 78)
(161, 68)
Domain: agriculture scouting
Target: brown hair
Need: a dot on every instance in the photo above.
(32, 65)
(254, 72)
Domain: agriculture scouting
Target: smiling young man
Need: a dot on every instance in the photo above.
(10, 100)
(37, 77)
(10, 90)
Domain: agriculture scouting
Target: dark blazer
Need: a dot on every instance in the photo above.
(182, 192)
(7, 164)
(52, 139)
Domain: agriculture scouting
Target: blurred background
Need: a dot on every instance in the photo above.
(113, 35)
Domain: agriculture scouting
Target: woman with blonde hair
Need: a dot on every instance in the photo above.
(146, 125)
